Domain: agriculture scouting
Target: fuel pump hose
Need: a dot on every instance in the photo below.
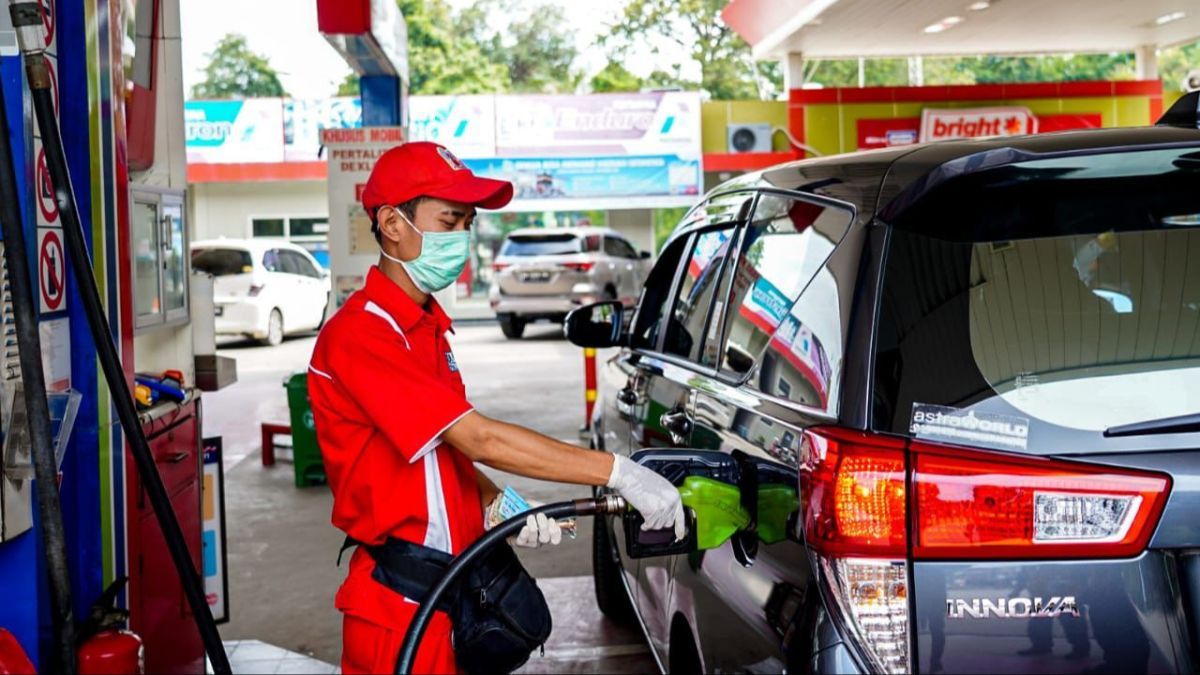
(607, 504)
(27, 20)
(37, 410)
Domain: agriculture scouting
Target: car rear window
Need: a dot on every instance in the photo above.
(541, 244)
(1025, 304)
(221, 262)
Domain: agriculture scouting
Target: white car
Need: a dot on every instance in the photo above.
(263, 288)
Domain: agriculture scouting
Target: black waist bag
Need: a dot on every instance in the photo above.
(498, 612)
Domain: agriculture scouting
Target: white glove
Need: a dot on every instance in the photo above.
(652, 495)
(538, 530)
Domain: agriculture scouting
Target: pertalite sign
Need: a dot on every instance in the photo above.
(351, 154)
(947, 124)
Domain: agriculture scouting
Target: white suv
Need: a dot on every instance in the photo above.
(544, 273)
(263, 288)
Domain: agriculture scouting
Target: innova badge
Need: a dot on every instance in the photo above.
(1012, 608)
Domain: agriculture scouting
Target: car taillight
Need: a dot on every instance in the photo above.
(579, 266)
(854, 484)
(863, 491)
(976, 504)
(500, 267)
(256, 289)
(855, 519)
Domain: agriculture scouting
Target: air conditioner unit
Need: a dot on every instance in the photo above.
(749, 137)
(1192, 81)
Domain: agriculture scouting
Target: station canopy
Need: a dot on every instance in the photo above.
(819, 29)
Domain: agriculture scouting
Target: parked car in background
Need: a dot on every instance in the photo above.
(542, 274)
(263, 289)
(959, 385)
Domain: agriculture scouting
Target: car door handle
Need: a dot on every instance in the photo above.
(677, 423)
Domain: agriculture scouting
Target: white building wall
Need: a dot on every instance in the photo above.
(168, 347)
(226, 209)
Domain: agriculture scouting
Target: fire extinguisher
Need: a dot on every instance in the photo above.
(105, 648)
(13, 660)
(112, 652)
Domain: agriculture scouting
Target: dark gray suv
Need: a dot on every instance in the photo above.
(974, 370)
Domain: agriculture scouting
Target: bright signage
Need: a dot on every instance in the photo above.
(942, 124)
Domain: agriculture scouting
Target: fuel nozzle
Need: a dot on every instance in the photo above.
(604, 505)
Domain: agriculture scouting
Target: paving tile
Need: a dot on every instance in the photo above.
(253, 666)
(256, 650)
(305, 665)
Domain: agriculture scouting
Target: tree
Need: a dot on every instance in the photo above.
(441, 62)
(844, 72)
(529, 41)
(1175, 63)
(727, 70)
(1047, 68)
(614, 77)
(234, 71)
(973, 70)
(348, 86)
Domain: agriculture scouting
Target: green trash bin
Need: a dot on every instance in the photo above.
(306, 454)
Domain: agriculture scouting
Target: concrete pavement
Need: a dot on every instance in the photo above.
(282, 547)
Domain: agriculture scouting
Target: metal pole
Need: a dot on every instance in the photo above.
(589, 387)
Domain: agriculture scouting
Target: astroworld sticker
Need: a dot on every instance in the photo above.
(968, 427)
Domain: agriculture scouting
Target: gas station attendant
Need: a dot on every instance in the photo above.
(399, 438)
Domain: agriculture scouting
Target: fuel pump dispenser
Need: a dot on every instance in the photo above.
(82, 502)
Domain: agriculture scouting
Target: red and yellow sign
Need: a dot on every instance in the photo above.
(849, 119)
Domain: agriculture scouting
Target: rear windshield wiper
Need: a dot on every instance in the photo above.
(1167, 425)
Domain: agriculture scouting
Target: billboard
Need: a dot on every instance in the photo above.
(561, 152)
(304, 119)
(264, 130)
(465, 124)
(599, 151)
(234, 132)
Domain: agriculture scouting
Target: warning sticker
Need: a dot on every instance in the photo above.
(46, 9)
(47, 203)
(52, 270)
(967, 426)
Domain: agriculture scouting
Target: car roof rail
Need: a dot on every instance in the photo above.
(1185, 113)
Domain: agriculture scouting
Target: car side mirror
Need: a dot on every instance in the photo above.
(598, 325)
(644, 255)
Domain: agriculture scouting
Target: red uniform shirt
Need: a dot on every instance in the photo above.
(385, 387)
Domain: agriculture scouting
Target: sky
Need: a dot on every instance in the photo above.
(285, 31)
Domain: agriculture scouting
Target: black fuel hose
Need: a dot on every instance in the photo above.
(23, 14)
(463, 561)
(37, 410)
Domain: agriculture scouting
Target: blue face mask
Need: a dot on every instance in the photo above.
(442, 259)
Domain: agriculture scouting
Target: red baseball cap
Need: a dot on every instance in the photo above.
(424, 169)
